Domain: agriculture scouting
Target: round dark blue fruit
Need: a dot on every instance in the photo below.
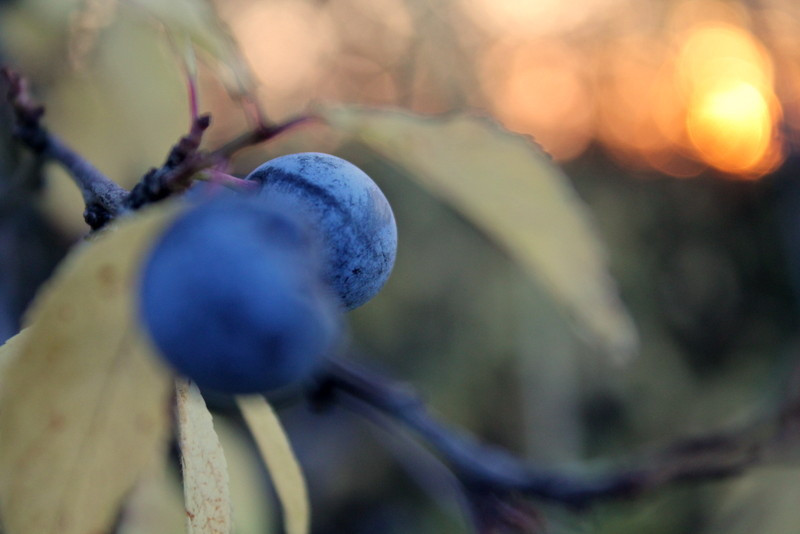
(232, 297)
(355, 221)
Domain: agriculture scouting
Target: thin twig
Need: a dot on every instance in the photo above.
(253, 137)
(160, 183)
(105, 199)
(176, 174)
(102, 196)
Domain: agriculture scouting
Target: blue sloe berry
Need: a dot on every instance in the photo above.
(356, 223)
(231, 295)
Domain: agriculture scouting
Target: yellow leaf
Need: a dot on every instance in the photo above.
(155, 503)
(250, 492)
(9, 352)
(206, 487)
(280, 460)
(85, 405)
(511, 189)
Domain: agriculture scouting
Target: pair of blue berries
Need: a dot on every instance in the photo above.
(245, 294)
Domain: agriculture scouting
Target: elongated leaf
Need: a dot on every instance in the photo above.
(155, 504)
(280, 460)
(511, 189)
(252, 497)
(206, 485)
(84, 406)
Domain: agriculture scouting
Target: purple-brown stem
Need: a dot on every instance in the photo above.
(494, 480)
(103, 197)
(231, 182)
(176, 174)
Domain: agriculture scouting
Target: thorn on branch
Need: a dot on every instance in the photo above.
(190, 143)
(160, 183)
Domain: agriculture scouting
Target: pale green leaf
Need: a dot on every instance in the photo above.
(511, 189)
(206, 485)
(280, 461)
(84, 407)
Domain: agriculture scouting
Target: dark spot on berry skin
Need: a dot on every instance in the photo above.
(356, 271)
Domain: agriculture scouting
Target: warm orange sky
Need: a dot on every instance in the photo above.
(672, 86)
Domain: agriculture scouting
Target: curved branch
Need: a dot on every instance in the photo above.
(102, 196)
(495, 480)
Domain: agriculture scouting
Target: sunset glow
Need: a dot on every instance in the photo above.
(732, 112)
(678, 87)
(701, 93)
(731, 127)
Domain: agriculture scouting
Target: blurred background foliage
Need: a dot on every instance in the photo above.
(677, 122)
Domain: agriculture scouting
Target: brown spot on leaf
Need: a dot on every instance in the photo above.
(108, 280)
(56, 422)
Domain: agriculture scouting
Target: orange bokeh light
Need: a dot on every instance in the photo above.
(635, 115)
(524, 18)
(288, 45)
(706, 99)
(678, 89)
(726, 79)
(539, 88)
(697, 91)
(730, 126)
